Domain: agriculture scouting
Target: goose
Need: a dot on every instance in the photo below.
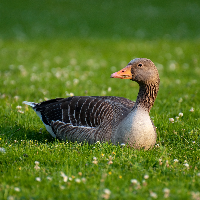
(106, 118)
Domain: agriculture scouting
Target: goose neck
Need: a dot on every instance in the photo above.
(147, 95)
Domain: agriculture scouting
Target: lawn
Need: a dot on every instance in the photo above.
(59, 48)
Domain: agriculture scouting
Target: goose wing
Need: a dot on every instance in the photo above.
(82, 118)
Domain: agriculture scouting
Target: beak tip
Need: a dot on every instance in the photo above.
(112, 75)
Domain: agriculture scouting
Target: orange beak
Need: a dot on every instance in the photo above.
(124, 73)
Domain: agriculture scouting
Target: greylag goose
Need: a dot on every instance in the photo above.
(106, 118)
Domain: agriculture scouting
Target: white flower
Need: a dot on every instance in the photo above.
(77, 180)
(177, 118)
(192, 109)
(122, 144)
(180, 114)
(106, 194)
(157, 145)
(62, 174)
(37, 165)
(146, 176)
(65, 178)
(17, 189)
(38, 179)
(107, 191)
(186, 164)
(19, 107)
(176, 160)
(95, 161)
(109, 89)
(171, 120)
(198, 174)
(166, 190)
(153, 195)
(37, 162)
(134, 181)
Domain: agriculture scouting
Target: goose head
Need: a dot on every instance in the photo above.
(141, 70)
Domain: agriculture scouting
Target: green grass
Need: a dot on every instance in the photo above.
(50, 49)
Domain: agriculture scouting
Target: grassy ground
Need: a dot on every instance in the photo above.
(50, 49)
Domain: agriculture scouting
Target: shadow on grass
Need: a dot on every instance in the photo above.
(20, 133)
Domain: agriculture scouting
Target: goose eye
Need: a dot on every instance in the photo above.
(140, 65)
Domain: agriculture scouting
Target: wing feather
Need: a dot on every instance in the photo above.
(82, 118)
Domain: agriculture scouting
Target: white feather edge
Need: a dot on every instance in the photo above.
(69, 124)
(48, 127)
(32, 104)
